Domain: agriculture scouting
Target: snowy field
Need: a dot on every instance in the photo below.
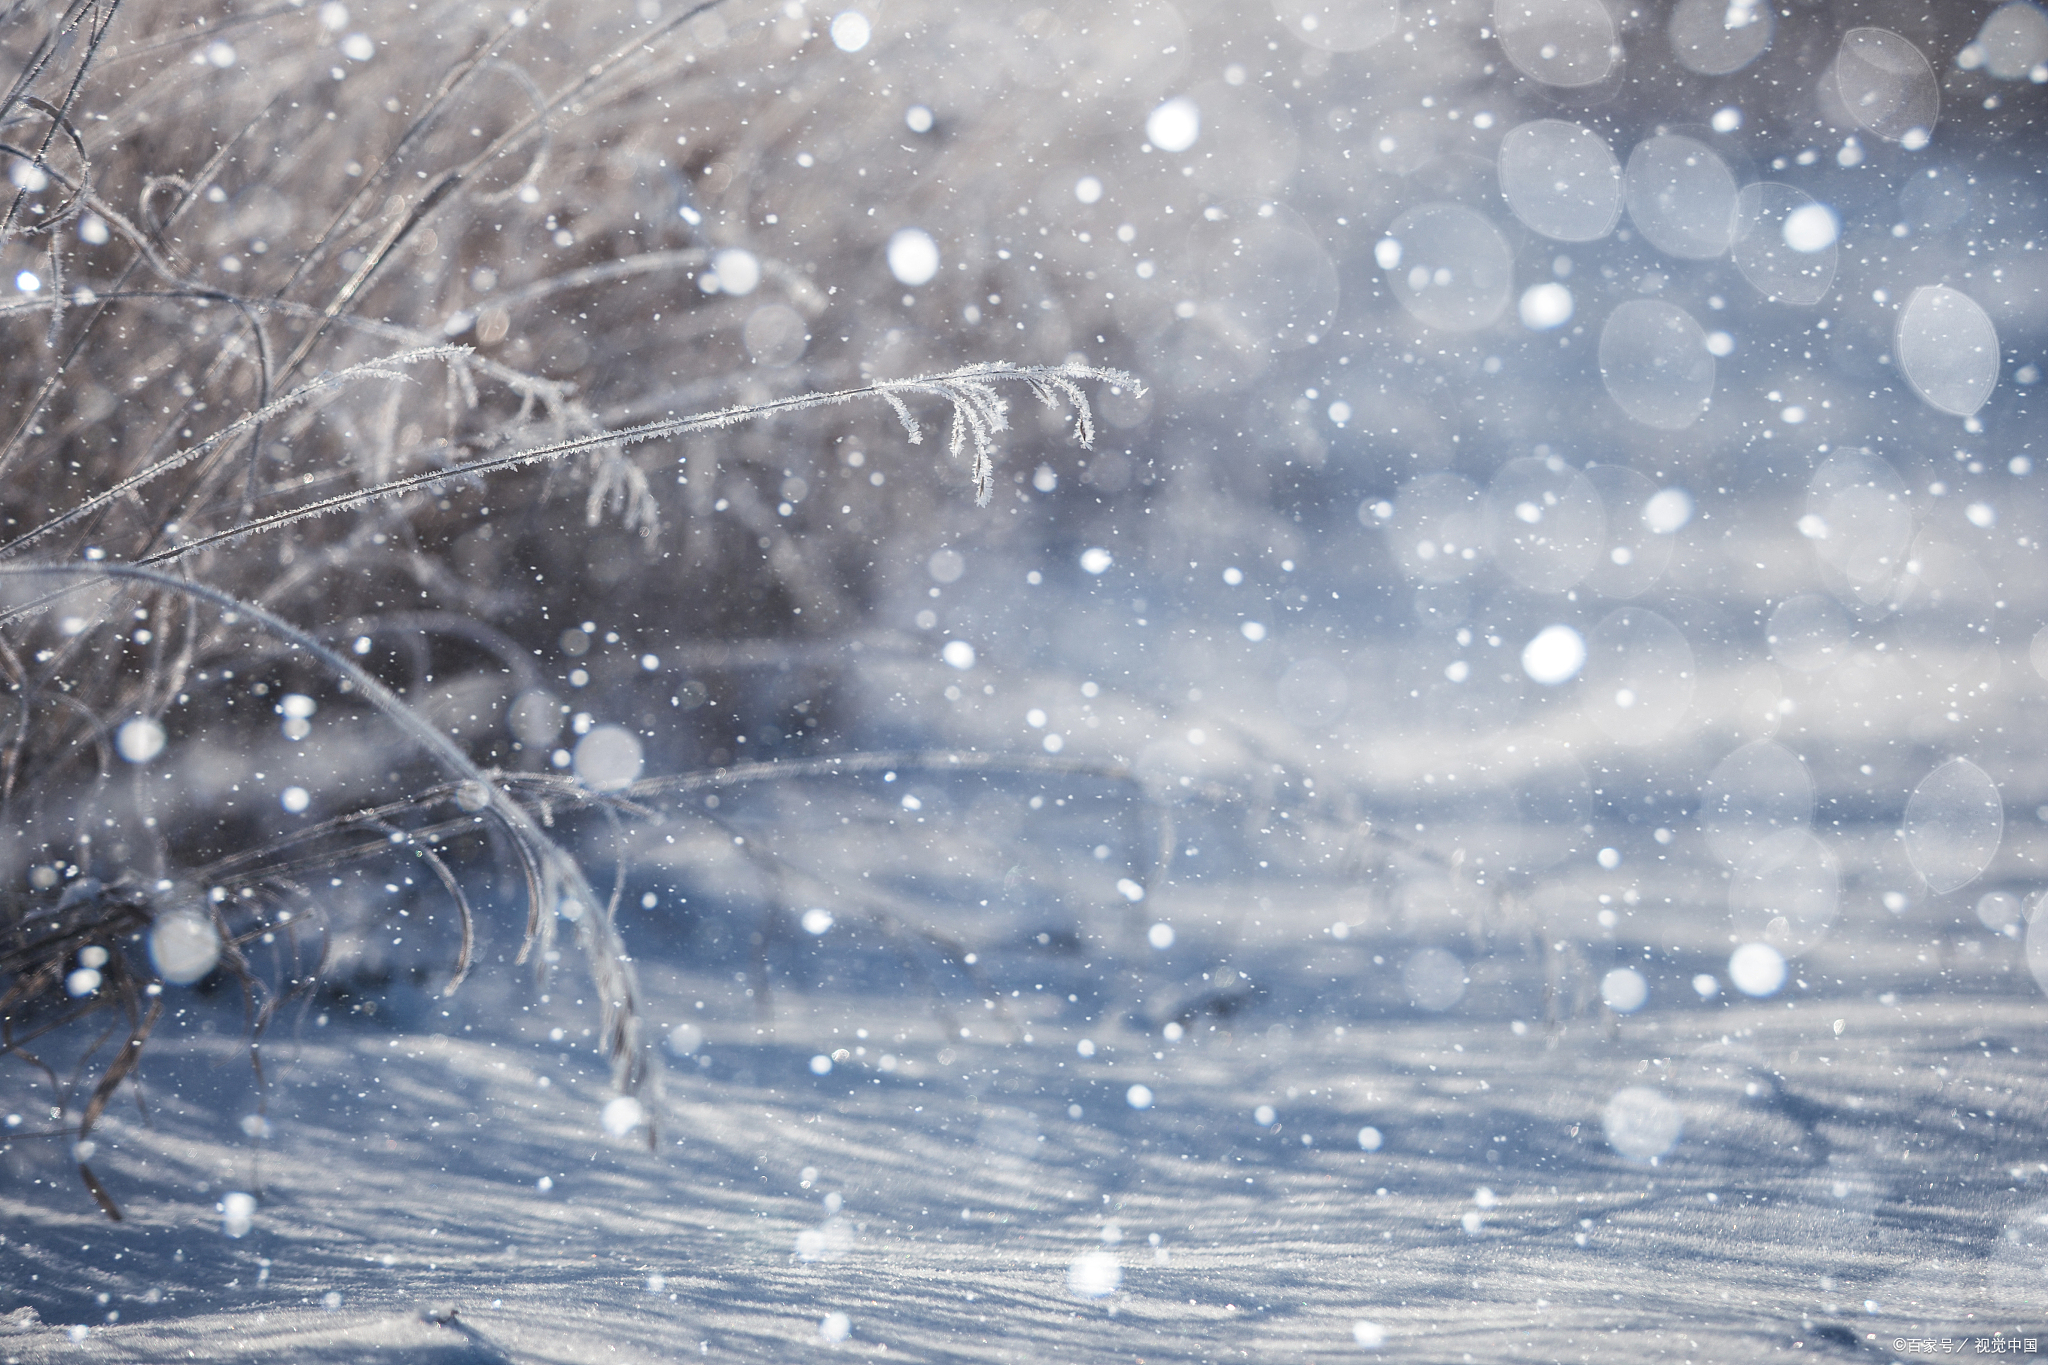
(1855, 1164)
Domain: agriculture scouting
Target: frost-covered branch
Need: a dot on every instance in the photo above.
(978, 410)
(970, 390)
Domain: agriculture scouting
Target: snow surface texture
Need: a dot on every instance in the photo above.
(1849, 1171)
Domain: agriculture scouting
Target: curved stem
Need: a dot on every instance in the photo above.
(561, 879)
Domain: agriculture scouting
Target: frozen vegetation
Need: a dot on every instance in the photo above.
(1310, 680)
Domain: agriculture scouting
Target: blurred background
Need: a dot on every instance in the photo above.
(1564, 543)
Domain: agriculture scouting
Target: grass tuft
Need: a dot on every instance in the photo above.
(327, 379)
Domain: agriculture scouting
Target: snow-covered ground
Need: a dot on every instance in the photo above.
(1312, 1169)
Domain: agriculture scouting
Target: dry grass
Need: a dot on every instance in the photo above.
(386, 327)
